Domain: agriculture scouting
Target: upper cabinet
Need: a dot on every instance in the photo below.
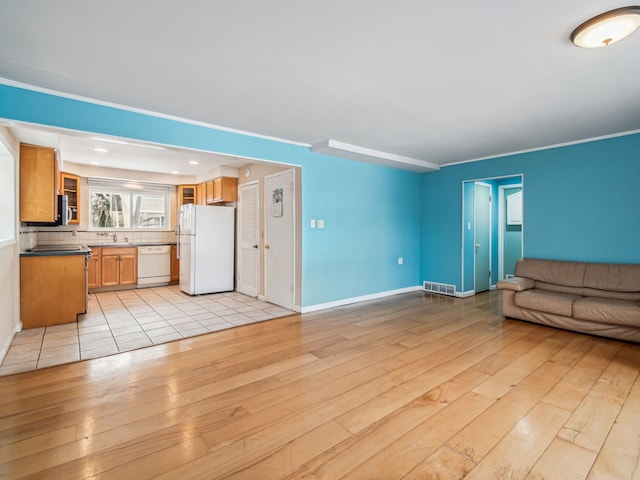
(222, 189)
(186, 194)
(70, 185)
(39, 177)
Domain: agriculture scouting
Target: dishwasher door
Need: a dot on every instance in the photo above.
(154, 265)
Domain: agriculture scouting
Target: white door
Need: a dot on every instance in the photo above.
(248, 238)
(279, 194)
(482, 215)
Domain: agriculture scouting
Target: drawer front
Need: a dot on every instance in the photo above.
(119, 250)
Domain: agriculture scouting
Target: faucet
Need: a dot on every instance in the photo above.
(115, 237)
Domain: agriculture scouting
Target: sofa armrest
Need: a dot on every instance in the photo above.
(517, 284)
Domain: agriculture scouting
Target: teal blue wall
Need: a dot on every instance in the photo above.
(580, 200)
(580, 203)
(371, 213)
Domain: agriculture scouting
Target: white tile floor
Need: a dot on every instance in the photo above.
(130, 319)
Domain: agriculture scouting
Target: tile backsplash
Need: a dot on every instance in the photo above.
(32, 236)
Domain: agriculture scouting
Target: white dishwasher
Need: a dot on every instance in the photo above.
(154, 265)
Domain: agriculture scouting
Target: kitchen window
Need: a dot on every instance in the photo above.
(128, 205)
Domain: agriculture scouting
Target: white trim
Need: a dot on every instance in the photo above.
(501, 199)
(363, 154)
(5, 348)
(546, 147)
(71, 96)
(468, 293)
(363, 298)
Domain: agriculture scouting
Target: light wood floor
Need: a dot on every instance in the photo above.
(411, 387)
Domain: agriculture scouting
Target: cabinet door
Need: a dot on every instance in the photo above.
(201, 193)
(109, 270)
(52, 290)
(71, 187)
(210, 191)
(128, 269)
(38, 184)
(175, 265)
(217, 189)
(94, 273)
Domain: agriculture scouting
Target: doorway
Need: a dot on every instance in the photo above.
(279, 241)
(492, 231)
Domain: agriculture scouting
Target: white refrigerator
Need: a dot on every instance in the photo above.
(206, 239)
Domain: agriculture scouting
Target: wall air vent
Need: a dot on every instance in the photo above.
(440, 288)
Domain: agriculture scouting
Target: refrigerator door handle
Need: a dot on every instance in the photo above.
(178, 239)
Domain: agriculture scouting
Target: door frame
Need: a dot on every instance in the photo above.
(469, 293)
(291, 306)
(501, 215)
(255, 183)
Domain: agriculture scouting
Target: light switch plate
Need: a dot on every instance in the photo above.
(313, 223)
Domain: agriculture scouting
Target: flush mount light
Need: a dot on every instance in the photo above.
(100, 150)
(607, 28)
(194, 162)
(175, 172)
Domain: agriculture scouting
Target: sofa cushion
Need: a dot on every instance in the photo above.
(546, 301)
(558, 272)
(617, 277)
(608, 310)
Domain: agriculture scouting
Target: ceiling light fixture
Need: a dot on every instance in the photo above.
(175, 172)
(607, 28)
(100, 150)
(194, 162)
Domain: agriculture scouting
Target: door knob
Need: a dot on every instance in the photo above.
(267, 247)
(477, 247)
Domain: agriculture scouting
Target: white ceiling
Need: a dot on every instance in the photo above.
(439, 82)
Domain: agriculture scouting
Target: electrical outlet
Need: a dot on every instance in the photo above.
(320, 223)
(400, 261)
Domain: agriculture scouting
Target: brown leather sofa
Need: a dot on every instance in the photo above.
(596, 298)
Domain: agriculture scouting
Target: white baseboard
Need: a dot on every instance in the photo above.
(363, 298)
(468, 293)
(5, 348)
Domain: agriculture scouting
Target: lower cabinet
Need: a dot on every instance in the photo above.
(94, 274)
(112, 267)
(175, 265)
(119, 266)
(52, 289)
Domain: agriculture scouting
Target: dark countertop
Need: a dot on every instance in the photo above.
(56, 250)
(130, 244)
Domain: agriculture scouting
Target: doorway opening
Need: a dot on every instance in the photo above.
(492, 231)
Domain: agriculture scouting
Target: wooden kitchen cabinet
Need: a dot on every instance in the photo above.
(70, 186)
(94, 274)
(52, 289)
(201, 193)
(39, 177)
(222, 190)
(119, 266)
(175, 265)
(186, 194)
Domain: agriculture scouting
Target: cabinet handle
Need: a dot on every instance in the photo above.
(267, 247)
(255, 246)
